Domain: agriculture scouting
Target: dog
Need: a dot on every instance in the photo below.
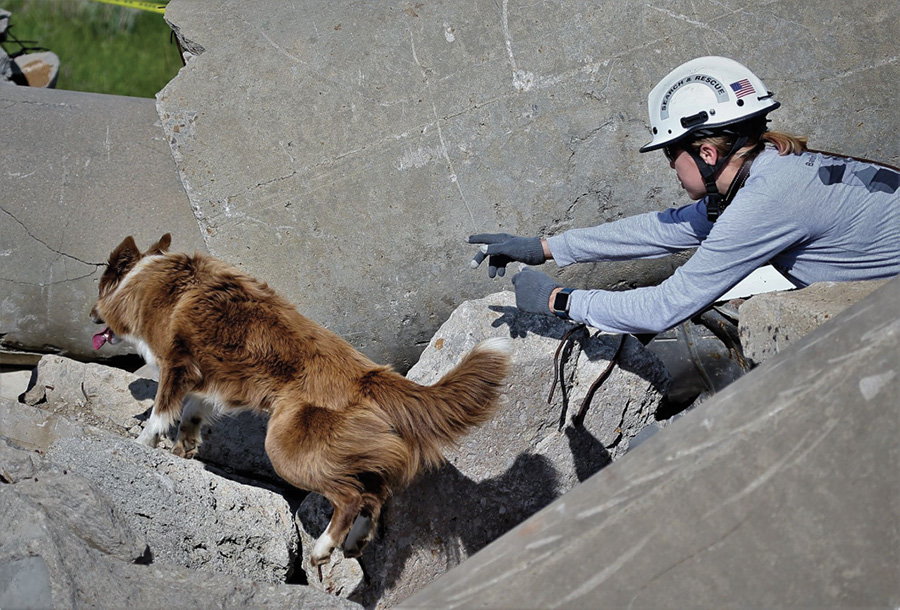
(339, 424)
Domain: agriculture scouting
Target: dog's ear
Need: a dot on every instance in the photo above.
(162, 246)
(124, 256)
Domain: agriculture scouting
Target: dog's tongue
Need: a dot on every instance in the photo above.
(102, 337)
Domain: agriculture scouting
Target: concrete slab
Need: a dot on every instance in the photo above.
(771, 322)
(344, 152)
(781, 491)
(80, 172)
(14, 381)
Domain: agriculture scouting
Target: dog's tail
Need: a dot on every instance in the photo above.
(432, 417)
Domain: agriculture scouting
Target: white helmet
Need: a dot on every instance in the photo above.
(704, 94)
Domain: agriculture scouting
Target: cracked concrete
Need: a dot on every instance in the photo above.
(82, 172)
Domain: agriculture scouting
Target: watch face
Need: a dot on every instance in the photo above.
(561, 301)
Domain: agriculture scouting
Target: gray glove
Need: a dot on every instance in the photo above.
(533, 290)
(504, 248)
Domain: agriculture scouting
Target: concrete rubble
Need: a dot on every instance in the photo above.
(119, 402)
(769, 323)
(80, 172)
(521, 460)
(89, 519)
(84, 417)
(343, 156)
(780, 491)
(27, 67)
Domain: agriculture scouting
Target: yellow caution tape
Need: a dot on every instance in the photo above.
(153, 7)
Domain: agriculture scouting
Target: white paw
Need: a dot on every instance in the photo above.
(322, 550)
(148, 437)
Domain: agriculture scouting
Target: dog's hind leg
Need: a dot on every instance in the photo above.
(174, 384)
(195, 415)
(345, 510)
(366, 524)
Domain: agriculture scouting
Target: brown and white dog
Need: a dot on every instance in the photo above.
(339, 424)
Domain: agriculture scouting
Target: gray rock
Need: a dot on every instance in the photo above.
(521, 460)
(80, 172)
(33, 429)
(120, 402)
(48, 529)
(16, 464)
(341, 576)
(93, 394)
(188, 514)
(770, 322)
(64, 544)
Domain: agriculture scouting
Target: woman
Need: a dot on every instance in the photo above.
(760, 197)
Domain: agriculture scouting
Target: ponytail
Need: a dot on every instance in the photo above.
(785, 142)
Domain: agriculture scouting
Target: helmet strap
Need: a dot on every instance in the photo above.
(714, 199)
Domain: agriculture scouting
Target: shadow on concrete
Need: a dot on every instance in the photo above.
(454, 515)
(588, 453)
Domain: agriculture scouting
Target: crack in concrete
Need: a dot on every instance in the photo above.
(46, 245)
(46, 284)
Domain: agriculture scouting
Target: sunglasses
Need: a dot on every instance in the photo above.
(671, 152)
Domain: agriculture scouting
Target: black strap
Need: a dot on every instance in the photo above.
(714, 207)
(562, 353)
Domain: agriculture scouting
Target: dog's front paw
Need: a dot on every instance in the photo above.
(148, 437)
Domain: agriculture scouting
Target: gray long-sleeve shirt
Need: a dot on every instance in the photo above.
(814, 217)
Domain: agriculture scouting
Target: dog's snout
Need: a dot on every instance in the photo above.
(95, 316)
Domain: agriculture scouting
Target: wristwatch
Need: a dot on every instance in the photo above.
(561, 303)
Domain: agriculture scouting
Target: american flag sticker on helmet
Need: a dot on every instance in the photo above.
(742, 88)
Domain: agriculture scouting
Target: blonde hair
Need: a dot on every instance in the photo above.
(785, 143)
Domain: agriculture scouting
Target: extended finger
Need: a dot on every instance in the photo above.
(479, 257)
(488, 238)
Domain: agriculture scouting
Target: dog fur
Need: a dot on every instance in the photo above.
(339, 424)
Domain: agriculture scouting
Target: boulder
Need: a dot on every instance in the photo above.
(102, 396)
(344, 152)
(119, 402)
(518, 462)
(770, 322)
(189, 514)
(64, 543)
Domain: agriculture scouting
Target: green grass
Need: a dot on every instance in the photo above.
(101, 47)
